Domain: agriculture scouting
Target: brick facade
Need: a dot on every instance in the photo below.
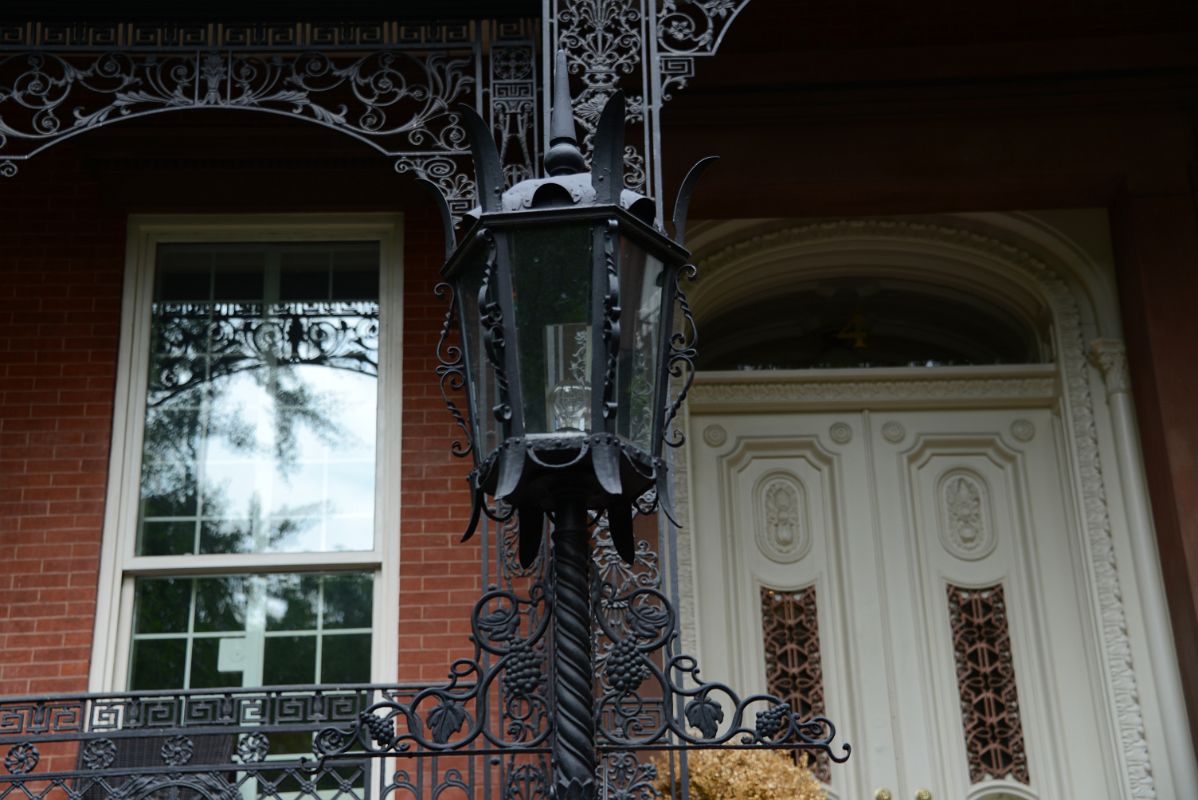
(59, 323)
(62, 256)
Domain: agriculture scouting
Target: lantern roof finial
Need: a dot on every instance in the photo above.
(563, 156)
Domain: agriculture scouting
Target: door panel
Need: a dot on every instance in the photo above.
(943, 555)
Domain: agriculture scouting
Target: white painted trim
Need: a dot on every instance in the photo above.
(118, 564)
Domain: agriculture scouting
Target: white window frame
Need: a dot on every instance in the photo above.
(119, 563)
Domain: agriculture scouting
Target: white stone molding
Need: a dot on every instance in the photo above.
(991, 256)
(684, 574)
(1110, 358)
(810, 390)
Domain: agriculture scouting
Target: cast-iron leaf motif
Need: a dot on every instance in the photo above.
(706, 715)
(445, 720)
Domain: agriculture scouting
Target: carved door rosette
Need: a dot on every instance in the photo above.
(783, 527)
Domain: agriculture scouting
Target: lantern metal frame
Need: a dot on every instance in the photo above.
(531, 474)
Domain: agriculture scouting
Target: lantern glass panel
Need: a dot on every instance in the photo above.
(641, 280)
(482, 384)
(551, 286)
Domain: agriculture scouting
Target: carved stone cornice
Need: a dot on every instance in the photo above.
(1110, 357)
(961, 387)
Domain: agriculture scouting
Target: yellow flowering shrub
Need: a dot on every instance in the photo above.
(757, 774)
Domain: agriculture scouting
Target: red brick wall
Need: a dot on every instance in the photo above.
(439, 576)
(61, 256)
(62, 247)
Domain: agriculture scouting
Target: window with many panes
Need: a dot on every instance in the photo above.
(247, 537)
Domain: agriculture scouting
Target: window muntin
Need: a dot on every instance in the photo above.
(246, 630)
(261, 400)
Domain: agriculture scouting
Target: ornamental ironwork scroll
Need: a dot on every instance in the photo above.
(986, 682)
(648, 48)
(393, 86)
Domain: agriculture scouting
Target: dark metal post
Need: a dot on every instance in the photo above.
(573, 682)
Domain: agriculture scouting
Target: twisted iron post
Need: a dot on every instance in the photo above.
(573, 682)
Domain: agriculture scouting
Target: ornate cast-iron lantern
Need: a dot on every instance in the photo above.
(565, 291)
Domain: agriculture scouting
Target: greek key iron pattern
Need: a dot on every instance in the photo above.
(790, 630)
(986, 682)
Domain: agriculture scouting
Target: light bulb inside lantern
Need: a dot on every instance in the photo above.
(568, 395)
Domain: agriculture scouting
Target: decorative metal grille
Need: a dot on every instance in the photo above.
(986, 682)
(390, 85)
(648, 48)
(790, 628)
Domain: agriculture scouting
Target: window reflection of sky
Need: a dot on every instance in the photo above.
(313, 491)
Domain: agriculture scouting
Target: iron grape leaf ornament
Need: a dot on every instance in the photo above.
(500, 625)
(445, 720)
(648, 621)
(706, 715)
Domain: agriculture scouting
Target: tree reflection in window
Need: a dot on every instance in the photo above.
(261, 401)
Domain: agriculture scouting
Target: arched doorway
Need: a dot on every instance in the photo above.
(904, 518)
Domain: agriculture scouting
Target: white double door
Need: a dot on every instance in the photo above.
(904, 522)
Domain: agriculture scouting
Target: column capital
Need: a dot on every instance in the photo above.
(1110, 357)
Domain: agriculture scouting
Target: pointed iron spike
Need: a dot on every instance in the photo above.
(476, 508)
(619, 521)
(563, 156)
(442, 204)
(663, 497)
(488, 171)
(532, 528)
(607, 155)
(605, 459)
(511, 467)
(683, 203)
